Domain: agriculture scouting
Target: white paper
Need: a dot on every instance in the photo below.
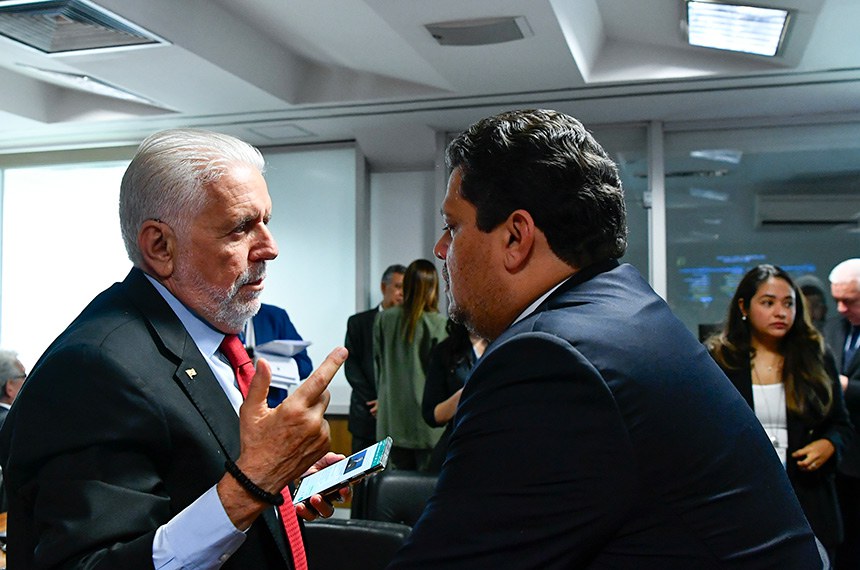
(282, 347)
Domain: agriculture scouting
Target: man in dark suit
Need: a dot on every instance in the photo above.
(359, 367)
(128, 447)
(359, 372)
(595, 431)
(843, 338)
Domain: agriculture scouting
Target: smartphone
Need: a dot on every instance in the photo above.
(328, 481)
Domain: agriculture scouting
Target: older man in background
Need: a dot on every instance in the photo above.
(843, 336)
(12, 376)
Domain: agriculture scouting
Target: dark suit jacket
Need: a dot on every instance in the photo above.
(598, 433)
(359, 372)
(835, 332)
(273, 323)
(816, 490)
(113, 436)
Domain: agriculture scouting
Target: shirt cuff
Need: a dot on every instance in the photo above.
(200, 537)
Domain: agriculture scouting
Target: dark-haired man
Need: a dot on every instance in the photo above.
(595, 431)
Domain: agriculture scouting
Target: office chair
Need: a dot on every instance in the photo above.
(397, 496)
(335, 544)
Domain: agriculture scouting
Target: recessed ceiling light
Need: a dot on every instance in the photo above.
(747, 29)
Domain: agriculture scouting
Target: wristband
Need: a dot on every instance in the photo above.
(271, 498)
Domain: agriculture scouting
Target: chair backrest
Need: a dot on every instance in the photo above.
(398, 496)
(336, 544)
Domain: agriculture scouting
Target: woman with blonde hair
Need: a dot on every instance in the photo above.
(403, 338)
(778, 362)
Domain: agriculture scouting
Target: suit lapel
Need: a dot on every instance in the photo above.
(196, 379)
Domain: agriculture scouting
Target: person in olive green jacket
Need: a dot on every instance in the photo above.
(402, 340)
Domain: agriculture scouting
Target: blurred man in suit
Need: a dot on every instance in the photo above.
(843, 337)
(595, 431)
(359, 370)
(12, 376)
(132, 446)
(359, 366)
(273, 323)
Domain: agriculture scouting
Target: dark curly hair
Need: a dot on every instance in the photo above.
(808, 391)
(546, 163)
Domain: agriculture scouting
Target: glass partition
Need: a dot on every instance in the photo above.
(739, 197)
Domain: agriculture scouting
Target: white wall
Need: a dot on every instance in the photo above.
(313, 220)
(403, 217)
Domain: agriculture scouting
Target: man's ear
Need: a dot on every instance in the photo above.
(520, 239)
(157, 243)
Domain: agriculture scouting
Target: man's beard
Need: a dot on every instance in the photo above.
(225, 307)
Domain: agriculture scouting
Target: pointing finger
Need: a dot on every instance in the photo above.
(317, 383)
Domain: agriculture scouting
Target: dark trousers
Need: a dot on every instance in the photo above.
(848, 553)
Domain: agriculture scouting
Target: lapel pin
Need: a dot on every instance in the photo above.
(191, 373)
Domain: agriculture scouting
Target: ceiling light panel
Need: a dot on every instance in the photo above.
(747, 29)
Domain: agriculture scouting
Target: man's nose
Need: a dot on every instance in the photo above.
(440, 250)
(266, 249)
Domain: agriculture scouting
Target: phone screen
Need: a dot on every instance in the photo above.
(353, 468)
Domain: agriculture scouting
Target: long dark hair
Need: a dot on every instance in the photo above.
(808, 391)
(420, 294)
(456, 347)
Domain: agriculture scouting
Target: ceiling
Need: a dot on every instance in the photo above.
(303, 71)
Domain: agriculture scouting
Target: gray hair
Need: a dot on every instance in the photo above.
(167, 175)
(8, 368)
(391, 270)
(846, 272)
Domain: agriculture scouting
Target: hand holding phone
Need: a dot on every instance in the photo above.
(327, 482)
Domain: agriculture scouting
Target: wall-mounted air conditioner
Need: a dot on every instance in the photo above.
(807, 209)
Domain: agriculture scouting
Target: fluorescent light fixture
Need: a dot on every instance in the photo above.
(747, 29)
(707, 194)
(728, 155)
(87, 83)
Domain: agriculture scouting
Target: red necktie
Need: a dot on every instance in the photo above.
(232, 348)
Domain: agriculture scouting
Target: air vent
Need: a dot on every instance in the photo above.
(61, 26)
(479, 32)
(807, 209)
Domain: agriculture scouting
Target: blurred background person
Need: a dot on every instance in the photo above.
(273, 323)
(450, 364)
(359, 366)
(12, 376)
(403, 338)
(358, 369)
(843, 336)
(816, 298)
(778, 362)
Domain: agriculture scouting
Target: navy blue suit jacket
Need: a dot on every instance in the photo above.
(836, 331)
(599, 433)
(273, 323)
(120, 425)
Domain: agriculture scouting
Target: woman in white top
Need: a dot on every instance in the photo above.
(778, 362)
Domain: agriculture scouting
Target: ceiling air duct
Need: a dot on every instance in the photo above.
(62, 26)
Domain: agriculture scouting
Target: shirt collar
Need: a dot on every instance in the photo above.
(531, 308)
(204, 336)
